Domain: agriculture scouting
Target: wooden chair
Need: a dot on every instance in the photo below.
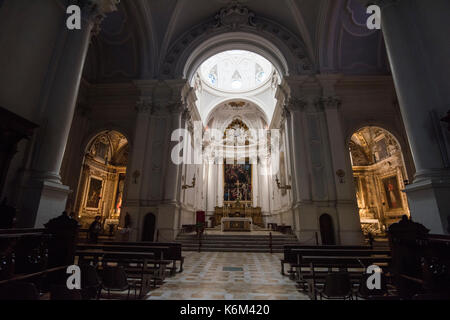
(337, 286)
(115, 279)
(90, 282)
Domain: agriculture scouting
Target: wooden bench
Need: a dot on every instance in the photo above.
(320, 266)
(300, 253)
(291, 258)
(144, 266)
(174, 253)
(167, 251)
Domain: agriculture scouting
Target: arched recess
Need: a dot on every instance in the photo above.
(102, 178)
(380, 175)
(215, 106)
(236, 27)
(327, 229)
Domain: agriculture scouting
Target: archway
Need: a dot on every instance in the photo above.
(148, 231)
(102, 179)
(327, 229)
(236, 102)
(380, 176)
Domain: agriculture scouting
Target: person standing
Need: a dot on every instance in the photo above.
(94, 229)
(63, 232)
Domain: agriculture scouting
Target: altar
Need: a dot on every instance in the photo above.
(237, 216)
(236, 224)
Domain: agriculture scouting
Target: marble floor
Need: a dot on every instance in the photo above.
(229, 276)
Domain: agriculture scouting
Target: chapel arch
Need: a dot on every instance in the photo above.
(380, 176)
(102, 178)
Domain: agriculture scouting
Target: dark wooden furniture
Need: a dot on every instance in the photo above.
(143, 266)
(172, 250)
(22, 251)
(291, 258)
(319, 267)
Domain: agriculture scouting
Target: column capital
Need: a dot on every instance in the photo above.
(178, 107)
(94, 11)
(331, 102)
(144, 106)
(295, 104)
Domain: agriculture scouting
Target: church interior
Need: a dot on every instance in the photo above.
(224, 150)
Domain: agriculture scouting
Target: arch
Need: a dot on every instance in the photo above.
(236, 27)
(101, 183)
(379, 174)
(327, 229)
(374, 124)
(93, 134)
(234, 41)
(217, 104)
(148, 229)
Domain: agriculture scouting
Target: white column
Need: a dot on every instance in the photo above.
(45, 195)
(347, 209)
(418, 50)
(220, 190)
(141, 135)
(211, 187)
(255, 185)
(301, 188)
(173, 172)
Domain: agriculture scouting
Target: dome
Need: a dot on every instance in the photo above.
(236, 71)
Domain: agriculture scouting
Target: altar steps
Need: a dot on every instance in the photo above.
(235, 243)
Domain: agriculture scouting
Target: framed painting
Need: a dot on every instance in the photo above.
(237, 182)
(392, 191)
(94, 193)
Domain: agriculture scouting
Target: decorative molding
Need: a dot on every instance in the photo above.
(328, 102)
(237, 18)
(144, 106)
(296, 104)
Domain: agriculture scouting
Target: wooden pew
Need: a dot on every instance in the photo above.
(300, 253)
(355, 265)
(166, 251)
(145, 266)
(22, 251)
(174, 253)
(291, 258)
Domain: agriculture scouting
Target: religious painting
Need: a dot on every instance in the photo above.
(237, 182)
(119, 195)
(94, 193)
(392, 191)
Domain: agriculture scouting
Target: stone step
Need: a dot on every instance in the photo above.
(235, 242)
(214, 249)
(244, 238)
(231, 245)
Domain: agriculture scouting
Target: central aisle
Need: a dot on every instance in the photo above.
(230, 276)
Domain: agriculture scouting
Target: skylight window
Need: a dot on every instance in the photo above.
(236, 71)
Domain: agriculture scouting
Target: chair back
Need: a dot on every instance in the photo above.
(337, 284)
(114, 278)
(89, 276)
